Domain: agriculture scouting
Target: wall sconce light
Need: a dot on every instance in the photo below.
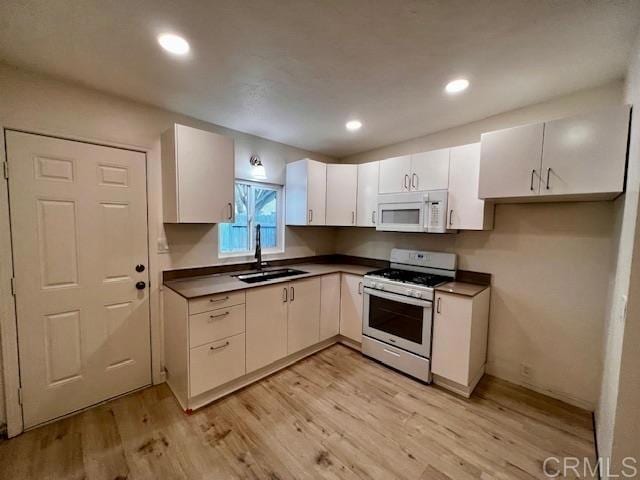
(258, 170)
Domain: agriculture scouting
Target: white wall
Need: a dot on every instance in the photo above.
(618, 414)
(35, 103)
(550, 265)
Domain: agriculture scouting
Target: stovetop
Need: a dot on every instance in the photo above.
(410, 277)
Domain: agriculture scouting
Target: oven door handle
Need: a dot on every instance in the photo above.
(398, 298)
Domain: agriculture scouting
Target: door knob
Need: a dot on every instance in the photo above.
(140, 285)
(139, 268)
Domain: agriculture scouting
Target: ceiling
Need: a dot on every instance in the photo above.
(295, 71)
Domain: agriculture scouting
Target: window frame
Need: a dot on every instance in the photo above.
(279, 248)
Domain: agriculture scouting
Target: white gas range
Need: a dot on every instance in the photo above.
(398, 309)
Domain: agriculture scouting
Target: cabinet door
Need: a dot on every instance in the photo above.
(395, 175)
(316, 192)
(585, 154)
(342, 191)
(266, 325)
(329, 306)
(351, 299)
(304, 314)
(466, 211)
(367, 204)
(216, 363)
(510, 162)
(206, 173)
(452, 337)
(430, 170)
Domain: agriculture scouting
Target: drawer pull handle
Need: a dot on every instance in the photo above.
(213, 317)
(390, 352)
(213, 300)
(225, 344)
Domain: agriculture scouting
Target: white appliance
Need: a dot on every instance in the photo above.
(413, 212)
(398, 309)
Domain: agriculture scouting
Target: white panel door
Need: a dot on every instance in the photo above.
(351, 303)
(367, 203)
(430, 170)
(303, 320)
(510, 161)
(316, 192)
(79, 228)
(395, 175)
(342, 192)
(586, 153)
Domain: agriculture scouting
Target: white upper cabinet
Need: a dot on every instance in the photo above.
(585, 154)
(466, 211)
(395, 175)
(342, 191)
(510, 162)
(367, 204)
(198, 174)
(306, 190)
(430, 170)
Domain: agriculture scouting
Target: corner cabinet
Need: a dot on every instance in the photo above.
(465, 210)
(306, 193)
(198, 172)
(342, 193)
(577, 158)
(460, 331)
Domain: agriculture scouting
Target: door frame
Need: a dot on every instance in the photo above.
(8, 318)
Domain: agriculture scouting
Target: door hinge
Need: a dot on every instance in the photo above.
(5, 170)
(13, 286)
(20, 396)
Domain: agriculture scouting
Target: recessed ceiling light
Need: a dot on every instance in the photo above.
(456, 86)
(353, 125)
(174, 44)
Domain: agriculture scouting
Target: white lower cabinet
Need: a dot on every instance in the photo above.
(329, 306)
(216, 363)
(460, 328)
(351, 302)
(266, 325)
(303, 320)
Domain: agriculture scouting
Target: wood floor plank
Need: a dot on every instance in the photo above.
(334, 415)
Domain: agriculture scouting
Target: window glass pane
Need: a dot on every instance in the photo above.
(234, 237)
(266, 204)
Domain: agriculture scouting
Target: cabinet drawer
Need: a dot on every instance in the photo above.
(216, 363)
(212, 302)
(215, 325)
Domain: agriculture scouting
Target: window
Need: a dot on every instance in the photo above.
(256, 204)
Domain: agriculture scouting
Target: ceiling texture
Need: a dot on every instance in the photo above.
(295, 71)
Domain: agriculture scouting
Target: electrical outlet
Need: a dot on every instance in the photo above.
(525, 370)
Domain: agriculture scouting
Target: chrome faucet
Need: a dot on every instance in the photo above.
(258, 254)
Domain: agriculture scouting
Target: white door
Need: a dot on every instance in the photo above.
(79, 228)
(585, 154)
(351, 302)
(316, 192)
(430, 170)
(452, 337)
(342, 192)
(466, 211)
(394, 175)
(303, 318)
(510, 161)
(329, 306)
(367, 203)
(266, 325)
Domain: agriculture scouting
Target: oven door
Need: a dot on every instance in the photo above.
(398, 320)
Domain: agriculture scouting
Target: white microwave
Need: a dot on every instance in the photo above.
(413, 212)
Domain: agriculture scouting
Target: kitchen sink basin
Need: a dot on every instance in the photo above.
(267, 275)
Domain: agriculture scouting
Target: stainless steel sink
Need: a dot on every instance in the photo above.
(267, 275)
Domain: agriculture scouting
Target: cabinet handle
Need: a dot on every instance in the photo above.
(226, 344)
(293, 294)
(214, 300)
(414, 184)
(438, 305)
(450, 217)
(285, 293)
(359, 288)
(533, 172)
(373, 217)
(230, 210)
(310, 215)
(213, 317)
(406, 182)
(548, 173)
(353, 218)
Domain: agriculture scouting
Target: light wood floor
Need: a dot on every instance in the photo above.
(333, 415)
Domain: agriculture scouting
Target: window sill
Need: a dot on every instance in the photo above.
(249, 255)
